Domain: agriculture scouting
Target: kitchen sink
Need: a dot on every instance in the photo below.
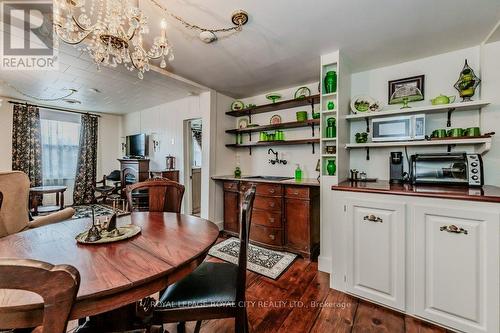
(276, 178)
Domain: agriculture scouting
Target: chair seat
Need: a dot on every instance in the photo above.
(104, 188)
(211, 284)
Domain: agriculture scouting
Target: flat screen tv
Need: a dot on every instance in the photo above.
(137, 146)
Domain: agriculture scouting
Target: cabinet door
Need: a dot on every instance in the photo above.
(231, 212)
(297, 224)
(456, 267)
(376, 253)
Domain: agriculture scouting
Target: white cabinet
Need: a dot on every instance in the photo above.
(376, 251)
(456, 266)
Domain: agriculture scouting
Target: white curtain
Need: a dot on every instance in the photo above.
(60, 142)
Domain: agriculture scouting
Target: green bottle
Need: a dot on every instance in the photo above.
(237, 172)
(298, 173)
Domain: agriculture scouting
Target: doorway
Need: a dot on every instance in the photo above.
(192, 169)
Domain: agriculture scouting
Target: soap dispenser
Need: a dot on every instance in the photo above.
(298, 173)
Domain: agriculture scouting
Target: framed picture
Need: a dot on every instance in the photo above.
(406, 90)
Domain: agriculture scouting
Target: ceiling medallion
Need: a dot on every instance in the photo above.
(112, 31)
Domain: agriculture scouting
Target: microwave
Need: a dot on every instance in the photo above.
(447, 169)
(400, 128)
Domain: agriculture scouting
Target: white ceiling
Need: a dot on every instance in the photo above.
(279, 47)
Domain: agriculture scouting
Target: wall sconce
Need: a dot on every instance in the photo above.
(124, 145)
(156, 142)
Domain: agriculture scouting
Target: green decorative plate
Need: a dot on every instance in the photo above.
(302, 92)
(237, 106)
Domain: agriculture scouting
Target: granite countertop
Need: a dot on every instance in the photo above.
(292, 181)
(486, 193)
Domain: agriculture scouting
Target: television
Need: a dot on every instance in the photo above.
(137, 146)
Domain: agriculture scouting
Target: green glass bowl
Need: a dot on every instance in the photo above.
(301, 115)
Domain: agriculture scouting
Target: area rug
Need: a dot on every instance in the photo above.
(261, 261)
(85, 211)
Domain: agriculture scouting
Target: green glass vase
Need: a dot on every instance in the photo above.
(330, 82)
(331, 167)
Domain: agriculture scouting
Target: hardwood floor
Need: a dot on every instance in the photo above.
(301, 301)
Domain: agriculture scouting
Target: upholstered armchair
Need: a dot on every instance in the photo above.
(14, 210)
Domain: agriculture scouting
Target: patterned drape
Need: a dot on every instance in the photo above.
(87, 162)
(26, 143)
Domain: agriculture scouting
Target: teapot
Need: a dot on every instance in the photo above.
(442, 99)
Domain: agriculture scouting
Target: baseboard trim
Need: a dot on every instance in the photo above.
(324, 264)
(220, 225)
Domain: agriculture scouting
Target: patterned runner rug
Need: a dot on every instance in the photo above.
(262, 261)
(85, 211)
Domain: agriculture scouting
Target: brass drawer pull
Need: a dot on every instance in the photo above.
(373, 218)
(271, 204)
(272, 237)
(243, 188)
(453, 229)
(295, 193)
(272, 190)
(230, 186)
(271, 220)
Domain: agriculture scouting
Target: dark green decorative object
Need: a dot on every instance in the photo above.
(330, 82)
(330, 105)
(467, 83)
(331, 168)
(361, 137)
(237, 172)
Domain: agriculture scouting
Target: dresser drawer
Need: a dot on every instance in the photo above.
(266, 218)
(269, 190)
(231, 186)
(299, 192)
(266, 235)
(267, 203)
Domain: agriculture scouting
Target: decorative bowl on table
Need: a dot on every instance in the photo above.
(273, 97)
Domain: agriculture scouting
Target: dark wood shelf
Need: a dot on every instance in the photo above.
(292, 124)
(288, 104)
(273, 143)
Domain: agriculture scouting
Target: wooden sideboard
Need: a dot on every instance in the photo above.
(284, 217)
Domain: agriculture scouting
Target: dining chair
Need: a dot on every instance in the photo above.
(212, 291)
(106, 190)
(57, 285)
(163, 195)
(14, 212)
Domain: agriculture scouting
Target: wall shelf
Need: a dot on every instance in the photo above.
(288, 104)
(251, 145)
(461, 106)
(293, 124)
(485, 141)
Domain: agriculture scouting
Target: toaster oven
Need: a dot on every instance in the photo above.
(447, 169)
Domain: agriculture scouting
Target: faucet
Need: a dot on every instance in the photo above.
(276, 159)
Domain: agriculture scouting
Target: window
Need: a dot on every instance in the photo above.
(60, 143)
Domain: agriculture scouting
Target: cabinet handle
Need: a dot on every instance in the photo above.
(271, 204)
(272, 237)
(243, 188)
(373, 218)
(271, 220)
(230, 186)
(295, 193)
(453, 229)
(272, 190)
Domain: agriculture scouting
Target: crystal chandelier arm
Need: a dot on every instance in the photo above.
(70, 42)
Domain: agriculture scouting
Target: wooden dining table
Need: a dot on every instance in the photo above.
(113, 275)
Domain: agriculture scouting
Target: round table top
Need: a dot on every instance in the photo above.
(48, 189)
(169, 247)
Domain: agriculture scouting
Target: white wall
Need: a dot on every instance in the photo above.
(108, 149)
(490, 116)
(167, 122)
(441, 72)
(258, 162)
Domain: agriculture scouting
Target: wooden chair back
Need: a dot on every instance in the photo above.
(164, 195)
(245, 222)
(57, 285)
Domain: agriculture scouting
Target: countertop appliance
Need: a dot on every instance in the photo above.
(400, 128)
(447, 169)
(396, 168)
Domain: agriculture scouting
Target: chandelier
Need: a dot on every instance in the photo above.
(116, 36)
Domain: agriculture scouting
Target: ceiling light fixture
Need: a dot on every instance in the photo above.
(116, 36)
